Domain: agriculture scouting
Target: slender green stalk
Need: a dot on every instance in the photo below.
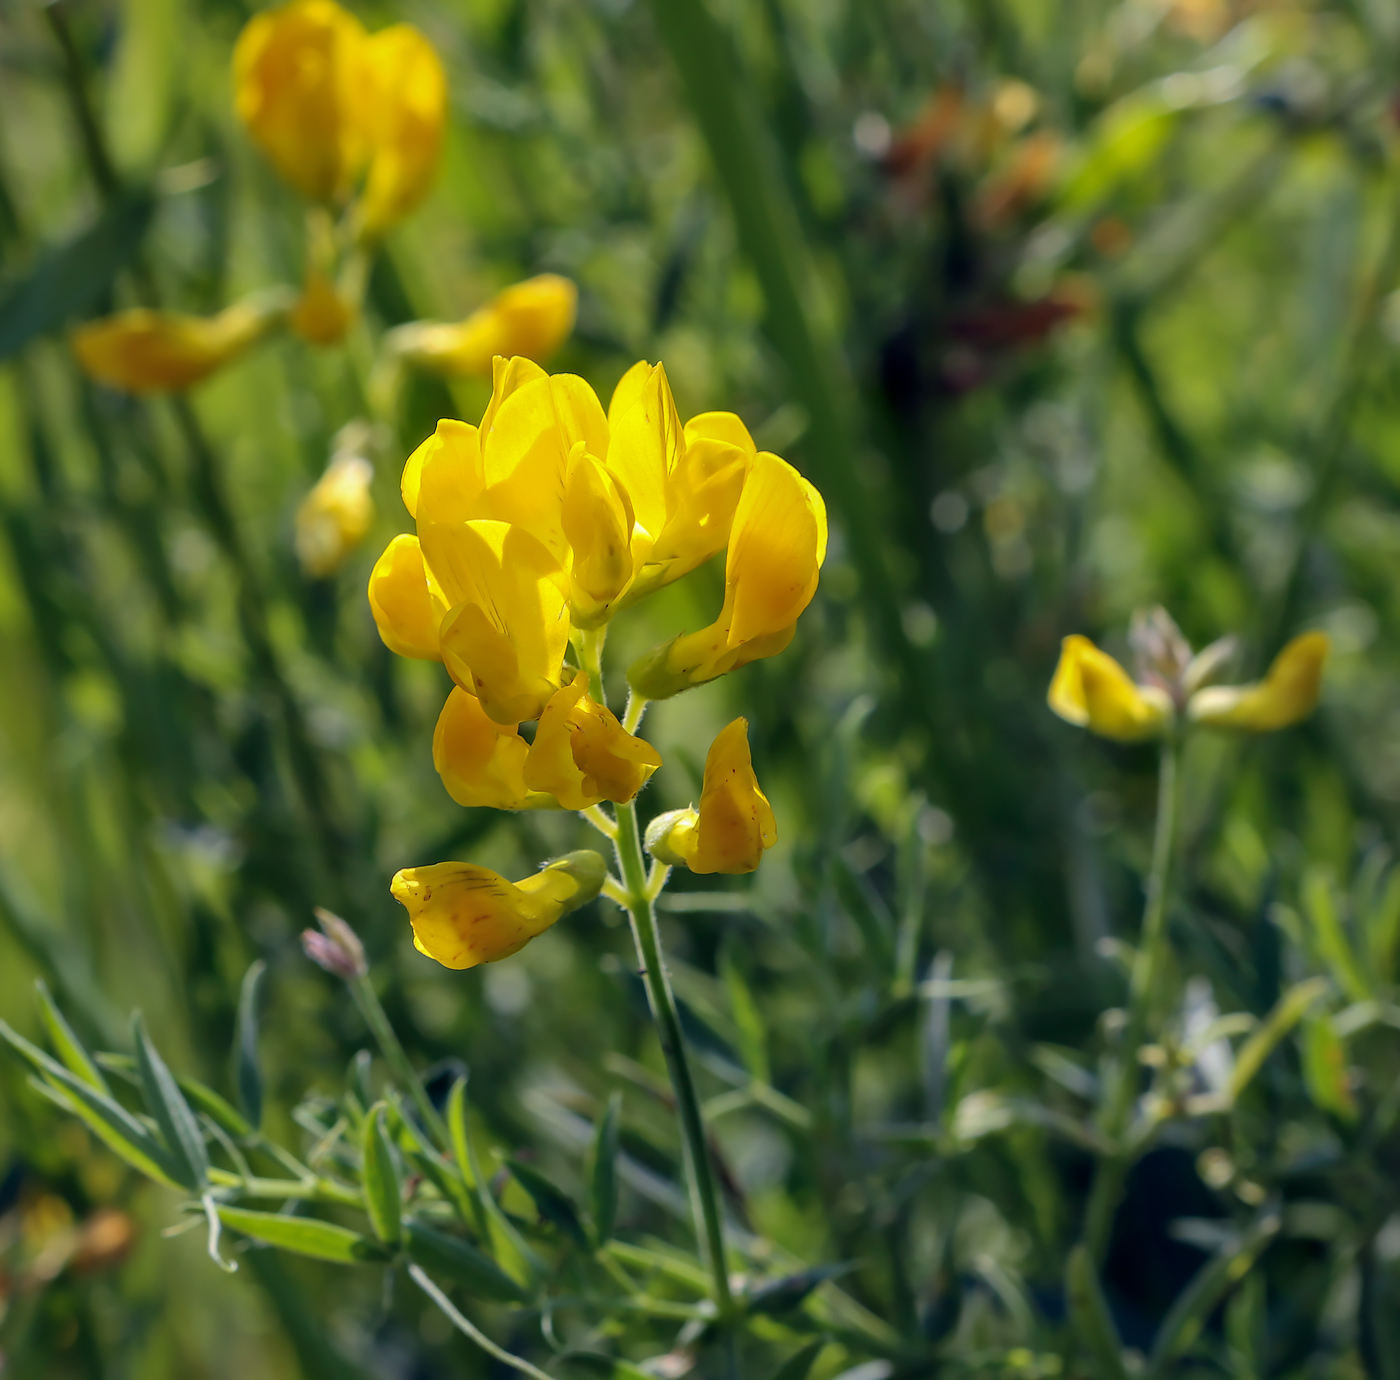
(1152, 946)
(704, 1200)
(404, 1074)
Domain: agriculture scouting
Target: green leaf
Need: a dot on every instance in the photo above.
(247, 1075)
(200, 1095)
(1089, 1313)
(748, 1021)
(1287, 1012)
(553, 1203)
(167, 1106)
(610, 1367)
(799, 1365)
(109, 1121)
(67, 282)
(604, 1176)
(1325, 1068)
(462, 1262)
(304, 1236)
(859, 903)
(430, 1162)
(1383, 929)
(1329, 936)
(69, 1048)
(783, 1295)
(380, 1176)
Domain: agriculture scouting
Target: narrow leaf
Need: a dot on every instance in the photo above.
(199, 1095)
(462, 1262)
(782, 1295)
(304, 1236)
(1287, 1012)
(380, 1173)
(799, 1365)
(859, 902)
(443, 1172)
(67, 1045)
(604, 1176)
(1325, 1068)
(167, 1106)
(211, 1212)
(553, 1203)
(1320, 906)
(753, 1036)
(1090, 1315)
(247, 1073)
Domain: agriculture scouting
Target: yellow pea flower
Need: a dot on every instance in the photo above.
(507, 627)
(530, 319)
(1090, 689)
(597, 521)
(399, 600)
(334, 517)
(463, 915)
(481, 762)
(776, 548)
(299, 76)
(1288, 693)
(405, 107)
(582, 755)
(734, 825)
(145, 351)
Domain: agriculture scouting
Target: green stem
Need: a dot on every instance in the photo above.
(704, 1201)
(1152, 947)
(362, 989)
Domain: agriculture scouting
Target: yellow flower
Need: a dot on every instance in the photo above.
(463, 915)
(334, 517)
(320, 315)
(508, 625)
(299, 74)
(405, 105)
(328, 105)
(532, 319)
(144, 351)
(776, 548)
(1289, 691)
(481, 762)
(1090, 689)
(734, 824)
(582, 755)
(398, 598)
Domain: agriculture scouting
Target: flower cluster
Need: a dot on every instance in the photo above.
(533, 530)
(1092, 690)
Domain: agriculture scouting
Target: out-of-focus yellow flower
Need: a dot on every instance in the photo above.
(734, 824)
(398, 598)
(530, 319)
(299, 76)
(334, 517)
(508, 624)
(776, 548)
(582, 754)
(463, 915)
(1090, 689)
(329, 104)
(320, 315)
(145, 351)
(1289, 691)
(482, 762)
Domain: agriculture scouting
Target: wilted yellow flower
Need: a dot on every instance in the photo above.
(582, 755)
(1289, 691)
(530, 319)
(320, 315)
(1090, 689)
(463, 915)
(145, 351)
(481, 762)
(399, 600)
(329, 104)
(776, 548)
(734, 824)
(334, 517)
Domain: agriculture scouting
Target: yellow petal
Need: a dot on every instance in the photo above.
(319, 315)
(597, 523)
(505, 635)
(645, 446)
(451, 460)
(299, 78)
(480, 762)
(1091, 690)
(582, 755)
(404, 107)
(628, 390)
(463, 915)
(1289, 691)
(507, 374)
(333, 518)
(144, 351)
(725, 427)
(735, 824)
(398, 598)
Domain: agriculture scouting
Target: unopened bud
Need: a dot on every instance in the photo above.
(668, 836)
(336, 948)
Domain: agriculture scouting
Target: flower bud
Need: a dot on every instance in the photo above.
(335, 947)
(1091, 690)
(670, 837)
(1288, 693)
(334, 517)
(463, 915)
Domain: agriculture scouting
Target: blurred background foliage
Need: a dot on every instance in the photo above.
(1068, 309)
